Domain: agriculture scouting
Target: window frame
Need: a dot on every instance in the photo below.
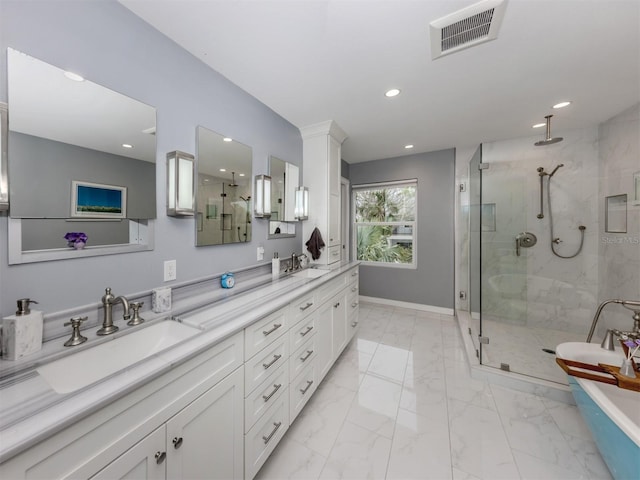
(414, 223)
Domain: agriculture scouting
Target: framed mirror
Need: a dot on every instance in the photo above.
(285, 178)
(224, 182)
(71, 131)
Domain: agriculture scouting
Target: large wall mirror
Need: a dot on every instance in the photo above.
(285, 178)
(81, 159)
(223, 199)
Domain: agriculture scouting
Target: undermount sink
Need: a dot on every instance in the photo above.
(310, 273)
(81, 369)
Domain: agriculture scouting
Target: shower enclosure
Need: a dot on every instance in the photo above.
(529, 289)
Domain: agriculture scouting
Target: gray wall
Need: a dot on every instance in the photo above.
(432, 282)
(114, 48)
(58, 162)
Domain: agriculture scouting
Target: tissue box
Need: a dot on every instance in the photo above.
(161, 299)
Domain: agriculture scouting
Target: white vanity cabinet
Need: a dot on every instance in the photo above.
(201, 441)
(321, 156)
(199, 401)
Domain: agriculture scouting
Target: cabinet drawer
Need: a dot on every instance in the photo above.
(267, 361)
(265, 332)
(265, 435)
(334, 253)
(330, 288)
(302, 307)
(303, 331)
(302, 388)
(352, 276)
(265, 395)
(302, 357)
(353, 309)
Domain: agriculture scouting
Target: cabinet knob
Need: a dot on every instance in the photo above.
(160, 456)
(336, 305)
(177, 442)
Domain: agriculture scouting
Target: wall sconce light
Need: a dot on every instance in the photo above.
(301, 209)
(262, 204)
(180, 182)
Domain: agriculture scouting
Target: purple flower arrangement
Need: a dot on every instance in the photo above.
(76, 240)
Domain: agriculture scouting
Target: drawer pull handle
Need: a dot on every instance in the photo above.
(160, 456)
(276, 387)
(336, 305)
(353, 289)
(354, 274)
(306, 306)
(269, 332)
(306, 389)
(354, 324)
(309, 328)
(354, 304)
(275, 359)
(177, 442)
(273, 432)
(306, 357)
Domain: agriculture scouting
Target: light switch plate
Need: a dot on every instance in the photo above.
(170, 270)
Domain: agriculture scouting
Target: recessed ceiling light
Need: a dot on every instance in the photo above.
(223, 169)
(227, 139)
(562, 104)
(392, 93)
(74, 76)
(126, 145)
(408, 146)
(538, 125)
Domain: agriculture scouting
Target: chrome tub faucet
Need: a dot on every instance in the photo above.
(108, 301)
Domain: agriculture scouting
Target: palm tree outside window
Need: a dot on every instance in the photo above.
(385, 223)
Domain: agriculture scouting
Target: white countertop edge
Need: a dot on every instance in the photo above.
(63, 412)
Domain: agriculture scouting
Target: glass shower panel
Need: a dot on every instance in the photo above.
(504, 277)
(474, 246)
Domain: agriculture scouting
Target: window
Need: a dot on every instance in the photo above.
(385, 223)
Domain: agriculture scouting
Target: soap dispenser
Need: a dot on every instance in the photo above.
(22, 332)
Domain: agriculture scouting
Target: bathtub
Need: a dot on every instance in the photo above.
(611, 413)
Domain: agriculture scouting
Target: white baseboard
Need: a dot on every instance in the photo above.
(414, 306)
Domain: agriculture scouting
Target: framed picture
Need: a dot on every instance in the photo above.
(616, 214)
(95, 200)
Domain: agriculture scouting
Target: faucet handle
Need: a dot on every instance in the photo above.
(137, 319)
(76, 337)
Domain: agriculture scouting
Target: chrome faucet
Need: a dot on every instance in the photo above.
(108, 301)
(633, 305)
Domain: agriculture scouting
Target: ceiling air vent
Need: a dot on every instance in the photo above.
(473, 25)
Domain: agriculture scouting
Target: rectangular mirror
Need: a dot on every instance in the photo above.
(223, 197)
(285, 178)
(68, 129)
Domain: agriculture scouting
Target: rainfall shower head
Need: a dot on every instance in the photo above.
(233, 180)
(549, 140)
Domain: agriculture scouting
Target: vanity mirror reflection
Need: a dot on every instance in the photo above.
(223, 198)
(285, 178)
(71, 143)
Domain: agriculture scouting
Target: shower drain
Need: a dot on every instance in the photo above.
(548, 350)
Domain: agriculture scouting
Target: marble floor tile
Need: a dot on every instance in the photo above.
(320, 421)
(358, 454)
(389, 362)
(420, 448)
(400, 403)
(375, 406)
(531, 429)
(479, 445)
(292, 460)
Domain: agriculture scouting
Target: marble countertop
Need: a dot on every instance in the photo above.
(30, 410)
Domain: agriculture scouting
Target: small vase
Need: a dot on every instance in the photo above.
(626, 368)
(79, 245)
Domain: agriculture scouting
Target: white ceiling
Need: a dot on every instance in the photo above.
(312, 61)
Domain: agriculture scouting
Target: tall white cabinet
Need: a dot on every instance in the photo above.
(321, 153)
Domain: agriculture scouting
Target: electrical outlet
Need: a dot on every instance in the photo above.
(169, 270)
(260, 253)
